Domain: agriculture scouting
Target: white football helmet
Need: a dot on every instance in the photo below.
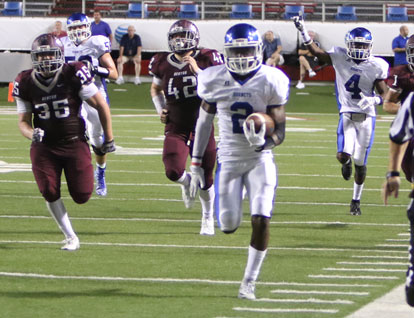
(79, 28)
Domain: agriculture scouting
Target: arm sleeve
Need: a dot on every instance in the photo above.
(402, 127)
(202, 133)
(23, 106)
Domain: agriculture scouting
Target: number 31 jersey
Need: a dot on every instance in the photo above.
(180, 86)
(353, 78)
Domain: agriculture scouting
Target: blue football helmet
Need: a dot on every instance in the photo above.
(79, 28)
(358, 43)
(243, 49)
(47, 55)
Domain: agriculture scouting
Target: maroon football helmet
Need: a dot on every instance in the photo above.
(409, 49)
(183, 36)
(47, 55)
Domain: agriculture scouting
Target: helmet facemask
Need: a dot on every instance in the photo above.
(242, 56)
(47, 59)
(359, 49)
(409, 50)
(79, 31)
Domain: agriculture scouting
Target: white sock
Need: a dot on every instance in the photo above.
(185, 179)
(58, 211)
(207, 202)
(357, 191)
(254, 263)
(102, 166)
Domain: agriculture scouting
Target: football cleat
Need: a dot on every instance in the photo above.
(188, 201)
(347, 170)
(409, 287)
(300, 85)
(71, 244)
(247, 290)
(207, 226)
(355, 209)
(100, 181)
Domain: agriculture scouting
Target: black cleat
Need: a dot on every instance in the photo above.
(347, 170)
(409, 289)
(355, 210)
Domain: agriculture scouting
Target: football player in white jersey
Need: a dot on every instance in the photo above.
(80, 45)
(357, 74)
(233, 91)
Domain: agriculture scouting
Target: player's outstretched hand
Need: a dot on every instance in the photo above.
(197, 180)
(38, 135)
(390, 187)
(164, 116)
(108, 146)
(366, 101)
(254, 139)
(299, 22)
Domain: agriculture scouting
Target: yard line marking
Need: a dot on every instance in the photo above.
(385, 270)
(392, 245)
(277, 310)
(317, 292)
(404, 234)
(309, 300)
(379, 256)
(308, 249)
(396, 240)
(354, 277)
(373, 263)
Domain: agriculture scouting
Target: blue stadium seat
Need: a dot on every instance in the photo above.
(241, 11)
(291, 11)
(346, 13)
(189, 11)
(135, 10)
(13, 8)
(397, 14)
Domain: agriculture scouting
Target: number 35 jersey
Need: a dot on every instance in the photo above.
(55, 104)
(180, 86)
(353, 78)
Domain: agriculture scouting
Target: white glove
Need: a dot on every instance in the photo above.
(368, 101)
(197, 180)
(254, 139)
(300, 25)
(37, 135)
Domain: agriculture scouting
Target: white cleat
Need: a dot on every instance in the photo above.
(312, 73)
(300, 85)
(188, 201)
(207, 226)
(71, 244)
(137, 81)
(120, 80)
(247, 290)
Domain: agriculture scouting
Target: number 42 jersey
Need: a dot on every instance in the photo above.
(353, 78)
(180, 86)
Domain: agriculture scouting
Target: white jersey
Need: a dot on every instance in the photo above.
(353, 78)
(91, 49)
(235, 101)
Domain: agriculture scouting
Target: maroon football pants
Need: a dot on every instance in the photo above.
(74, 159)
(175, 154)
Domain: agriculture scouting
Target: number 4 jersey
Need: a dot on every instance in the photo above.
(180, 86)
(56, 102)
(353, 78)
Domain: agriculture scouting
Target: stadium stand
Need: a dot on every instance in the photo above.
(189, 11)
(346, 13)
(12, 8)
(397, 14)
(241, 11)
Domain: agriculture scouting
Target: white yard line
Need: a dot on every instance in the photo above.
(307, 301)
(380, 257)
(375, 270)
(373, 263)
(363, 277)
(294, 310)
(317, 292)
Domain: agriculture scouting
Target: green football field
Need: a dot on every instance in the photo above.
(141, 254)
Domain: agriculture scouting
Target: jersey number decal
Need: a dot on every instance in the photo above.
(189, 90)
(84, 74)
(242, 110)
(352, 86)
(60, 109)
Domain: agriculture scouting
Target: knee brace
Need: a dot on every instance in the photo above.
(342, 157)
(360, 174)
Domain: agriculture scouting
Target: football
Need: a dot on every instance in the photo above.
(262, 118)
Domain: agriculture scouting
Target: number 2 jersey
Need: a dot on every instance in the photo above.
(56, 103)
(353, 78)
(180, 87)
(236, 100)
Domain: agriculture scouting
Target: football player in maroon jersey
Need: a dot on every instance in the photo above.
(49, 99)
(174, 93)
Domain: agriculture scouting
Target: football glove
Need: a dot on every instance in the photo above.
(255, 139)
(108, 146)
(197, 180)
(368, 101)
(38, 135)
(89, 66)
(300, 25)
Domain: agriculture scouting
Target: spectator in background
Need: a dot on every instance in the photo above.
(307, 61)
(271, 49)
(100, 27)
(129, 50)
(398, 46)
(57, 30)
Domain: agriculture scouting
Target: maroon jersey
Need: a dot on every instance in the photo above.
(55, 104)
(401, 79)
(180, 87)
